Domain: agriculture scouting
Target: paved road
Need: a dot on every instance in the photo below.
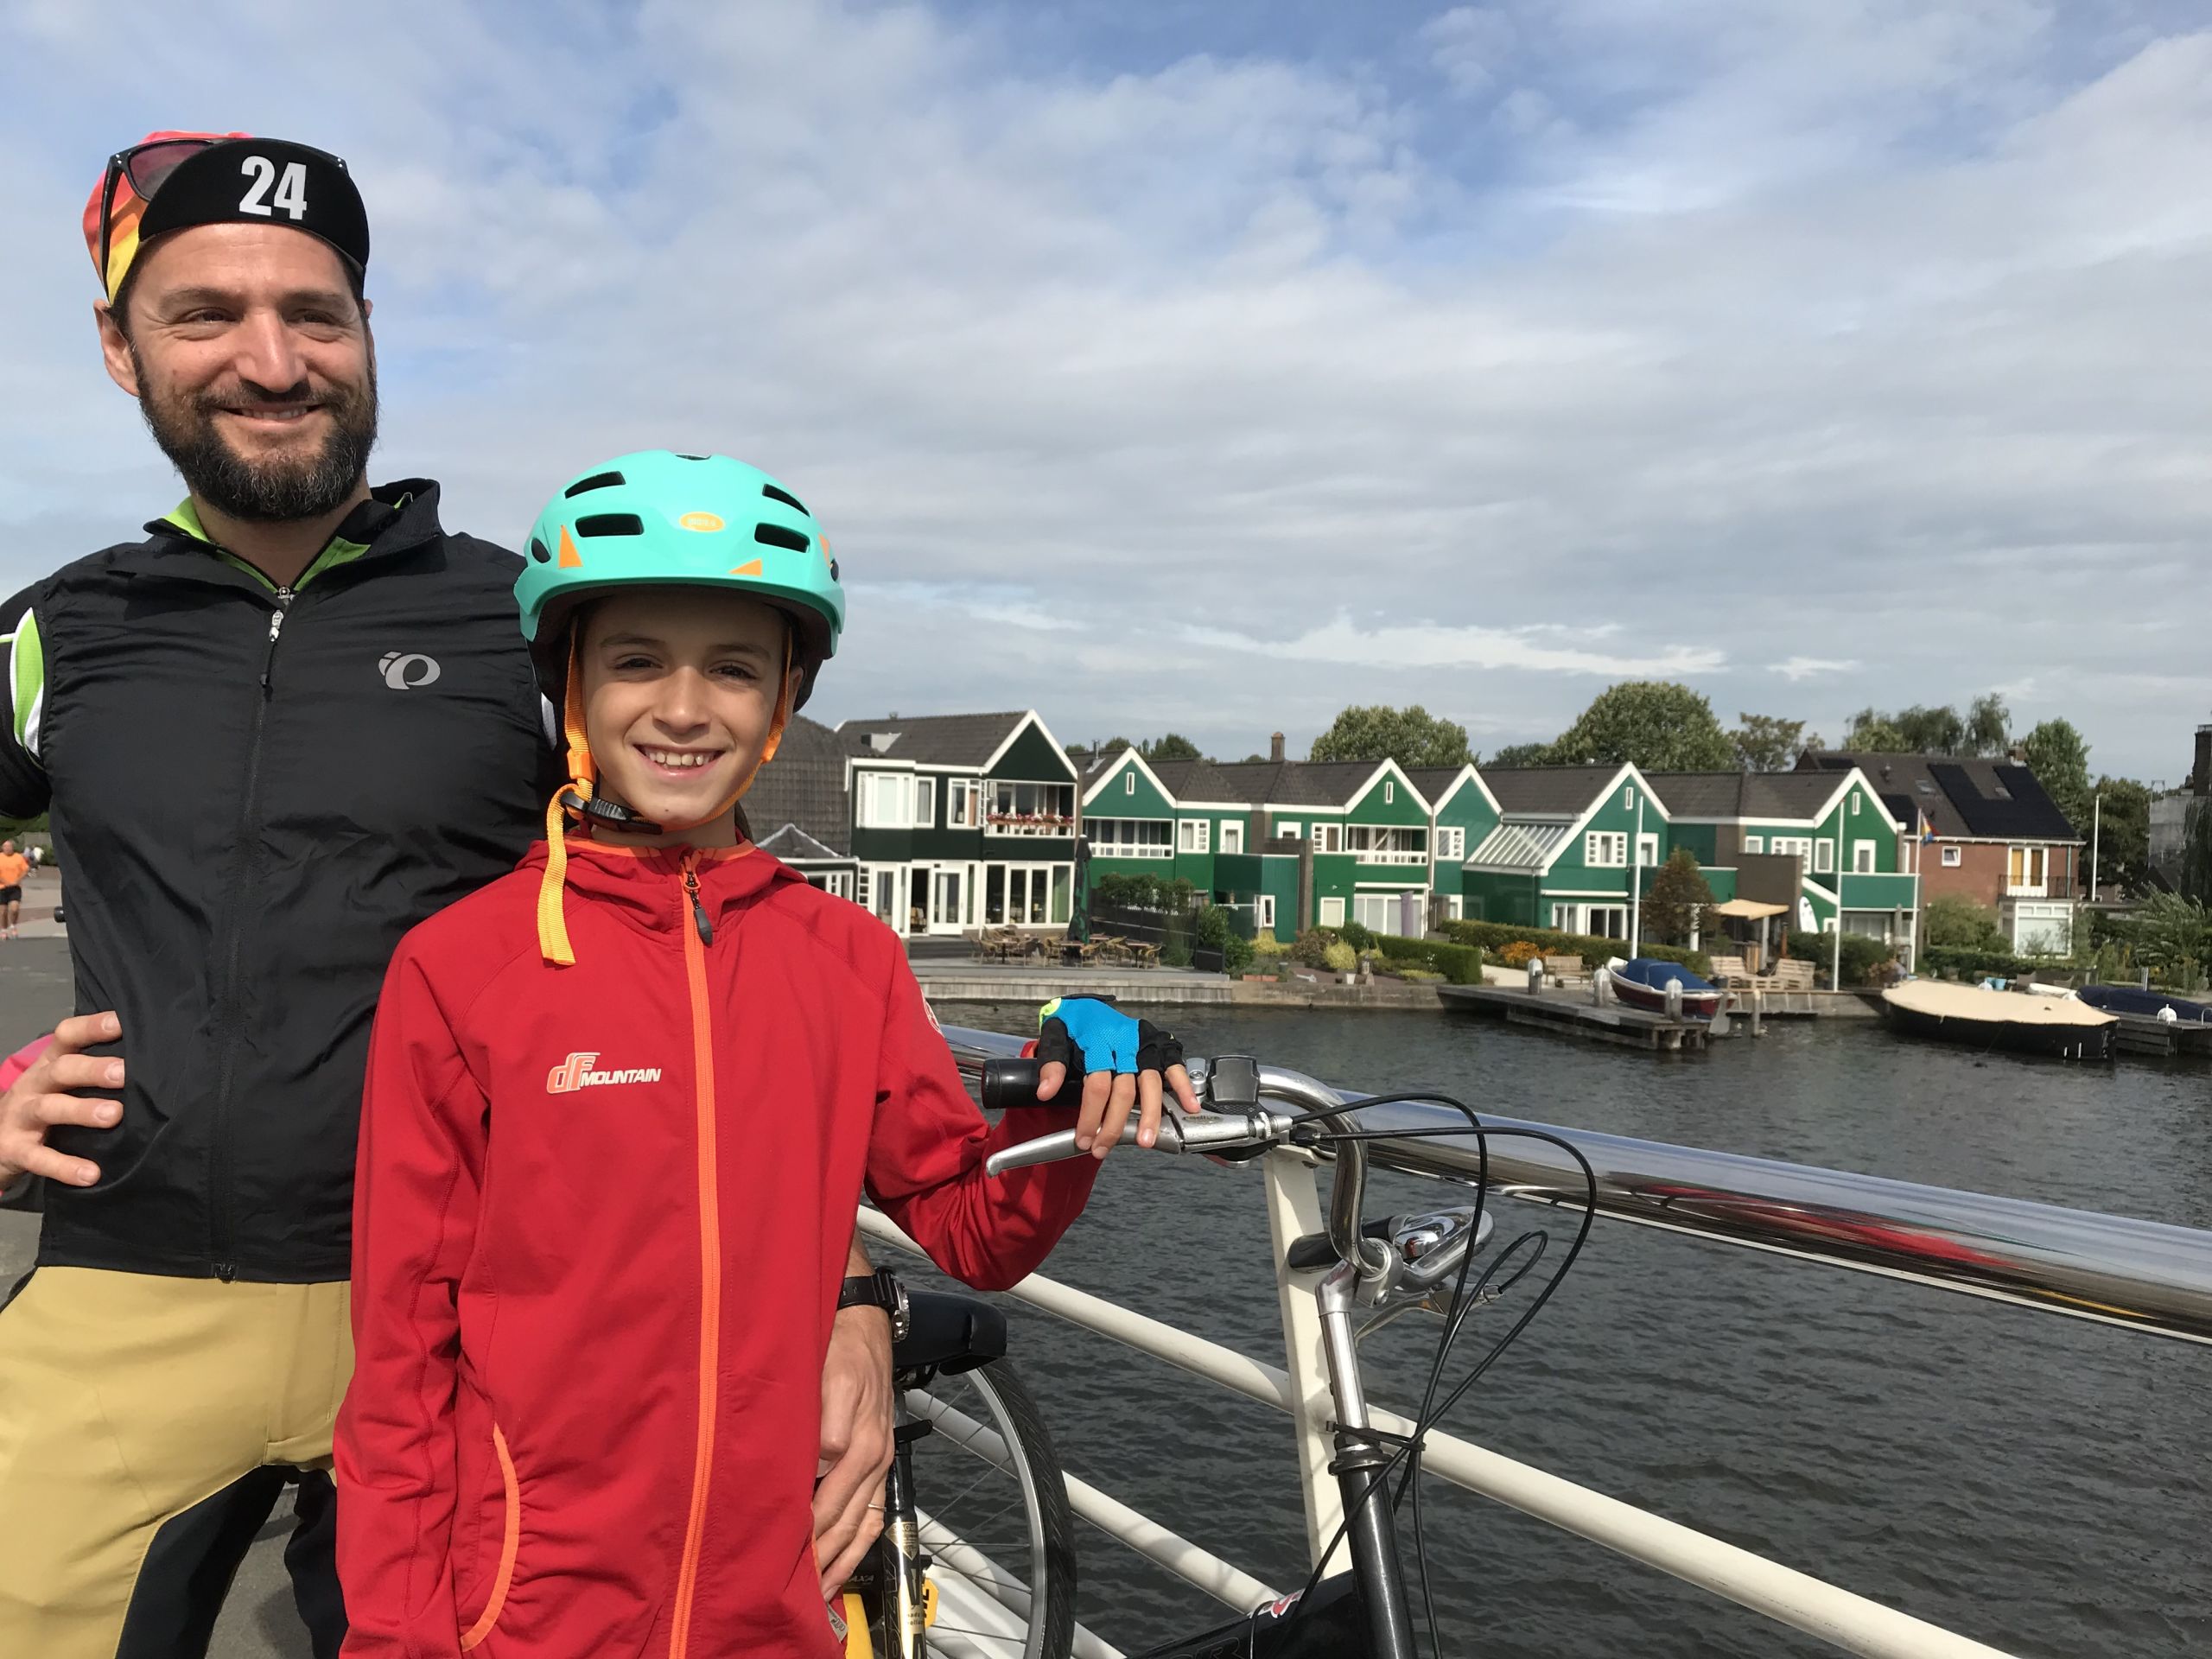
(259, 1623)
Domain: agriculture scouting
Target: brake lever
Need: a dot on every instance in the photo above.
(1208, 1132)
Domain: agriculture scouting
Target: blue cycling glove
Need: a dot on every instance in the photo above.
(1089, 1034)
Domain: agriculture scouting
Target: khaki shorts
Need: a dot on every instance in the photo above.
(148, 1426)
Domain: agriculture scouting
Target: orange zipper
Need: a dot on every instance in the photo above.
(710, 1255)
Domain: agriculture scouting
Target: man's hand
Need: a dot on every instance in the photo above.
(855, 1442)
(39, 1099)
(1123, 1063)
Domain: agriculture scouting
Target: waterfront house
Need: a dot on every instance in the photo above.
(1979, 829)
(960, 822)
(1566, 847)
(1852, 851)
(1291, 844)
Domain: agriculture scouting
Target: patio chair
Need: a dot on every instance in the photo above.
(1145, 955)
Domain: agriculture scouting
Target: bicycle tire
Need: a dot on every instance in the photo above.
(1047, 1520)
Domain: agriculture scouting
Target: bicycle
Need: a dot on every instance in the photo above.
(1383, 1268)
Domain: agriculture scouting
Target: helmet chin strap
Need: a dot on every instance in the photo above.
(579, 797)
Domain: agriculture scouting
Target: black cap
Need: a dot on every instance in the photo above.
(263, 182)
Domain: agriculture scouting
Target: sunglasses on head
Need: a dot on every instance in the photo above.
(147, 167)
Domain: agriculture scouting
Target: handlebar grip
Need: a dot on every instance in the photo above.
(1013, 1083)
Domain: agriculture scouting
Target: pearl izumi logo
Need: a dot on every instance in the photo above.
(407, 671)
(578, 1072)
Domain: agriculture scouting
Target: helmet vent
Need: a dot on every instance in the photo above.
(537, 551)
(596, 481)
(610, 523)
(785, 497)
(777, 536)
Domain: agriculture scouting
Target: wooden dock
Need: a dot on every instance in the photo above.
(2140, 1033)
(1572, 1014)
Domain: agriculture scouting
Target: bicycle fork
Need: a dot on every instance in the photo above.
(1371, 1521)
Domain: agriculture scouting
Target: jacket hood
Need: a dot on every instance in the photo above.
(644, 886)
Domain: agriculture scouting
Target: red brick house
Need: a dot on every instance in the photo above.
(1983, 830)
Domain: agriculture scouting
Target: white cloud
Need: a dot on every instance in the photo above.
(1870, 337)
(1806, 667)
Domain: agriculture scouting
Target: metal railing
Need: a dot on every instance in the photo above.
(2141, 1275)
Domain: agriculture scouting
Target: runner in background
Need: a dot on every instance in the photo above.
(14, 867)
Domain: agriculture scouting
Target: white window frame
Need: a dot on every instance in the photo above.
(1450, 841)
(1328, 837)
(1824, 856)
(1755, 845)
(1129, 781)
(1002, 799)
(1854, 803)
(1802, 846)
(1453, 904)
(1865, 858)
(964, 804)
(2034, 863)
(1107, 841)
(925, 803)
(1628, 798)
(887, 800)
(1263, 911)
(1232, 835)
(1953, 857)
(1647, 850)
(1389, 791)
(1289, 829)
(1605, 850)
(1194, 835)
(1333, 912)
(1387, 843)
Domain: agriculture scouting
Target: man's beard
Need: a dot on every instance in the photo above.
(274, 491)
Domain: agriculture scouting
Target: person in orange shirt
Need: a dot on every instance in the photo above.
(14, 867)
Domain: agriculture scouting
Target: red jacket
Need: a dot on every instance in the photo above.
(600, 1221)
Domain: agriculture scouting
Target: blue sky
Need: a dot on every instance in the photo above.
(1211, 365)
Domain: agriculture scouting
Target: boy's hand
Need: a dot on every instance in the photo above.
(41, 1099)
(856, 1443)
(1122, 1063)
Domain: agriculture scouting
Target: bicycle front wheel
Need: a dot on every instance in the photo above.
(994, 1519)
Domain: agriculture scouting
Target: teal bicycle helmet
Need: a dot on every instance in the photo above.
(657, 516)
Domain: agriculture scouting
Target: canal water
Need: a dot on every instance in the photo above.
(2037, 1483)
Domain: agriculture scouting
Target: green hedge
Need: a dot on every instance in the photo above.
(1968, 963)
(1595, 952)
(1214, 928)
(1862, 956)
(1462, 964)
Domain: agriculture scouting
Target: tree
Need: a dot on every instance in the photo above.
(1412, 737)
(1680, 900)
(2122, 828)
(2060, 760)
(1950, 919)
(1988, 726)
(1931, 731)
(1522, 754)
(1766, 743)
(1659, 726)
(1174, 747)
(1872, 732)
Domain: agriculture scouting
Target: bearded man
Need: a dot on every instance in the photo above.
(292, 721)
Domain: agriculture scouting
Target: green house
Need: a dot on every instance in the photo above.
(1462, 812)
(960, 822)
(1290, 845)
(1572, 849)
(1850, 850)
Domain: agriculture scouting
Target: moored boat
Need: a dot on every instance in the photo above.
(2063, 1028)
(1642, 981)
(2130, 999)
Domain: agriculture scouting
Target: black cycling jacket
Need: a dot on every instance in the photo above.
(254, 792)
